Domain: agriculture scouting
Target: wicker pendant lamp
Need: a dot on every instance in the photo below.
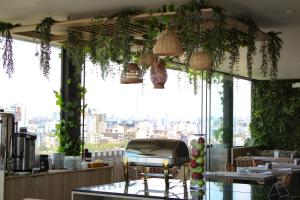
(147, 58)
(132, 74)
(168, 44)
(200, 61)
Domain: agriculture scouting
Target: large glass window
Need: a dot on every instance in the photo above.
(241, 111)
(117, 113)
(30, 95)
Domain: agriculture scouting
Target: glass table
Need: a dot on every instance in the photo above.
(155, 189)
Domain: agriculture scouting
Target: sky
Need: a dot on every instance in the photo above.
(177, 101)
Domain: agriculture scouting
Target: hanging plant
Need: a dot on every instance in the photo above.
(264, 63)
(274, 46)
(76, 49)
(233, 49)
(7, 55)
(251, 48)
(43, 31)
(214, 42)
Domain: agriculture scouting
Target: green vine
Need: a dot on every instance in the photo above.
(274, 46)
(251, 48)
(43, 31)
(68, 144)
(234, 49)
(76, 49)
(264, 64)
(7, 55)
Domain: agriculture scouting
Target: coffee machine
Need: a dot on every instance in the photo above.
(24, 150)
(7, 132)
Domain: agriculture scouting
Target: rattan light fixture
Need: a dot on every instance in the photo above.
(132, 74)
(147, 58)
(158, 75)
(168, 44)
(200, 61)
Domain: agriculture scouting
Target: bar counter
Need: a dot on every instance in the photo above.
(155, 189)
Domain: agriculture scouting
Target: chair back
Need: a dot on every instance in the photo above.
(230, 167)
(257, 162)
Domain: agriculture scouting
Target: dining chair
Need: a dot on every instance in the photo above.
(287, 179)
(255, 163)
(229, 168)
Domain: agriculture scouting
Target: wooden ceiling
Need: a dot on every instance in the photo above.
(88, 26)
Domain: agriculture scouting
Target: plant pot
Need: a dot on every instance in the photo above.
(158, 75)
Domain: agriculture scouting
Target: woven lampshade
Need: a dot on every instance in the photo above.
(147, 58)
(168, 44)
(132, 74)
(200, 61)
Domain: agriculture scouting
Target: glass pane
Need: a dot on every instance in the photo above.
(30, 95)
(241, 111)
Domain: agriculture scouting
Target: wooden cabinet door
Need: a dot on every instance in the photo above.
(19, 188)
(50, 187)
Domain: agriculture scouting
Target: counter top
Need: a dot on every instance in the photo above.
(56, 171)
(155, 189)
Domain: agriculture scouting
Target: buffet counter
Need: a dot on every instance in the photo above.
(55, 184)
(155, 189)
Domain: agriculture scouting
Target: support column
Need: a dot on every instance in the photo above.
(71, 95)
(228, 112)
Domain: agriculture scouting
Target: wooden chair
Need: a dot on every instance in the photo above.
(257, 162)
(229, 168)
(287, 179)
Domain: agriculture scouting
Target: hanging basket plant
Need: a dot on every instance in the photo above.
(7, 55)
(43, 32)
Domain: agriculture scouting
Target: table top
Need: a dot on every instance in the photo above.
(276, 171)
(155, 189)
(237, 176)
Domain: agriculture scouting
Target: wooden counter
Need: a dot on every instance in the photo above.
(55, 184)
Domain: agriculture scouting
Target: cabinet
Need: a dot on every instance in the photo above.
(56, 184)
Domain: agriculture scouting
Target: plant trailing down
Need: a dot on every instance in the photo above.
(76, 49)
(114, 39)
(7, 56)
(43, 31)
(274, 46)
(67, 143)
(250, 42)
(264, 63)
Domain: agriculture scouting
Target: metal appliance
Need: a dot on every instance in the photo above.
(164, 153)
(7, 131)
(24, 150)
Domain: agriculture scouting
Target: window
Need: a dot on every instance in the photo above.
(241, 111)
(30, 95)
(117, 113)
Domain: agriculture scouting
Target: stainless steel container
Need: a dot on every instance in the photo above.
(7, 130)
(25, 151)
(152, 152)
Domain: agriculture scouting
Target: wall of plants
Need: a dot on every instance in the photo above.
(275, 120)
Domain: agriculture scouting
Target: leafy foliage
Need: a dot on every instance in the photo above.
(264, 64)
(76, 49)
(275, 119)
(68, 144)
(7, 56)
(251, 48)
(43, 31)
(274, 46)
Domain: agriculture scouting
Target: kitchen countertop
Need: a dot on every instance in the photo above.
(56, 171)
(155, 189)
